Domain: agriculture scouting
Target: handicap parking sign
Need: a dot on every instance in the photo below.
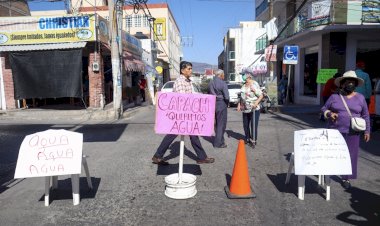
(290, 55)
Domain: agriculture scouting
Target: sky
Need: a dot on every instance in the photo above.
(205, 22)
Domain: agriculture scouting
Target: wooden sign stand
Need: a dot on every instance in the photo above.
(53, 180)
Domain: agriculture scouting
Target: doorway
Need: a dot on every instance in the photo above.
(310, 75)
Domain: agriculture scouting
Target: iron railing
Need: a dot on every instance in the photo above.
(317, 13)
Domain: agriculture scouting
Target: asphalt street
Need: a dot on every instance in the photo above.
(129, 189)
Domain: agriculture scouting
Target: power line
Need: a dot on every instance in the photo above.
(229, 1)
(155, 35)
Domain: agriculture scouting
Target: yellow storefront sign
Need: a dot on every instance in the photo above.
(159, 69)
(51, 29)
(160, 29)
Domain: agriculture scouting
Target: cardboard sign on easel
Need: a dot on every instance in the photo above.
(52, 153)
(319, 152)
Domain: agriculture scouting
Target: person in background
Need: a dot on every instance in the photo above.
(108, 86)
(282, 88)
(219, 88)
(366, 89)
(251, 96)
(338, 117)
(182, 85)
(329, 89)
(142, 86)
(86, 89)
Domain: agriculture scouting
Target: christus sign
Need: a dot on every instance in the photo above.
(45, 23)
(50, 153)
(51, 29)
(185, 114)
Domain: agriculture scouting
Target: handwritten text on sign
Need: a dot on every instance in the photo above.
(321, 152)
(50, 153)
(185, 114)
(325, 74)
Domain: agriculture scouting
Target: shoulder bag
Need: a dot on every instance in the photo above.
(357, 123)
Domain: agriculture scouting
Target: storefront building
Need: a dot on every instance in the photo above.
(330, 35)
(53, 60)
(63, 60)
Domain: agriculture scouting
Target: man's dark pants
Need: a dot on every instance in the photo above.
(142, 92)
(169, 138)
(221, 122)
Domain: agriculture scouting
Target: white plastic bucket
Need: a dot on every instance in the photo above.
(184, 190)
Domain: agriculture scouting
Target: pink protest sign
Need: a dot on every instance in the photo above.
(185, 114)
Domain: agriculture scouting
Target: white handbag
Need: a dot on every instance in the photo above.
(357, 123)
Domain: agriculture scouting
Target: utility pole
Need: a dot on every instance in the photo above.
(270, 2)
(115, 59)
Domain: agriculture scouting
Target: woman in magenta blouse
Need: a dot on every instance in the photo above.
(338, 117)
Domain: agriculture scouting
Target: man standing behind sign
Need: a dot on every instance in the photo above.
(219, 88)
(182, 85)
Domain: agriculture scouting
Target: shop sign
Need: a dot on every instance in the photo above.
(271, 53)
(103, 30)
(46, 29)
(257, 68)
(131, 43)
(159, 28)
(159, 69)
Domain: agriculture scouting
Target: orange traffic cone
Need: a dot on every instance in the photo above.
(240, 188)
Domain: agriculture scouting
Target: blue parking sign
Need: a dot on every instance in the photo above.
(290, 55)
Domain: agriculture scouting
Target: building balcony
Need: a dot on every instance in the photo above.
(317, 15)
(261, 43)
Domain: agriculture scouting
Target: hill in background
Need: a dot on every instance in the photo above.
(201, 67)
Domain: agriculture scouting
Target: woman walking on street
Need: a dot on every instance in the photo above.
(249, 104)
(338, 117)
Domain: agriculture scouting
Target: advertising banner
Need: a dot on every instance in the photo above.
(271, 53)
(371, 11)
(159, 27)
(51, 29)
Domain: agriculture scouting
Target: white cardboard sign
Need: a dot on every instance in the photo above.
(321, 152)
(50, 153)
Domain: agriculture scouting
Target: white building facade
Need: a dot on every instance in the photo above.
(240, 48)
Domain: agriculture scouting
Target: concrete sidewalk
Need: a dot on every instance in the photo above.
(77, 114)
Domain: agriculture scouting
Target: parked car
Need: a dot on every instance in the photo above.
(233, 91)
(168, 87)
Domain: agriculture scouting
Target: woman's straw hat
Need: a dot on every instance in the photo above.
(349, 75)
